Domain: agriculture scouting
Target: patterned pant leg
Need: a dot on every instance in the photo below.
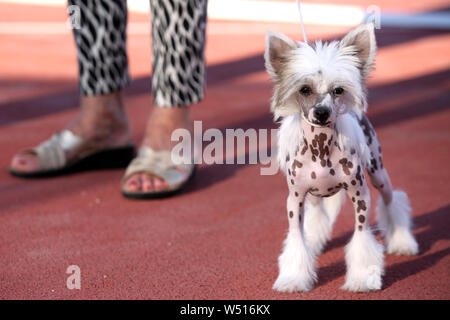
(178, 42)
(101, 46)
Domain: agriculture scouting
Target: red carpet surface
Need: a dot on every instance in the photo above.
(219, 239)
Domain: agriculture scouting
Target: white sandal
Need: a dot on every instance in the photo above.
(175, 172)
(84, 155)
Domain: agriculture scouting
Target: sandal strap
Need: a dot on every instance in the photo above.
(52, 152)
(172, 169)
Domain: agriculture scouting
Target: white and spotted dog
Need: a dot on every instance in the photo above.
(325, 143)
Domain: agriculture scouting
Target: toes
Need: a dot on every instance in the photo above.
(25, 162)
(159, 184)
(147, 182)
(133, 183)
(150, 182)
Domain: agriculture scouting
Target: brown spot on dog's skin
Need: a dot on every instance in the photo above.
(352, 151)
(305, 148)
(361, 206)
(313, 192)
(296, 164)
(353, 182)
(329, 163)
(313, 175)
(345, 166)
(319, 148)
(359, 177)
(358, 193)
(289, 171)
(300, 204)
(367, 129)
(360, 228)
(350, 164)
(312, 128)
(291, 214)
(345, 185)
(361, 218)
(287, 158)
(353, 199)
(296, 193)
(332, 172)
(292, 181)
(373, 162)
(313, 158)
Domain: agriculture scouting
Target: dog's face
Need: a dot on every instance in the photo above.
(320, 81)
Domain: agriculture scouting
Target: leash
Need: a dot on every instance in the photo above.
(301, 22)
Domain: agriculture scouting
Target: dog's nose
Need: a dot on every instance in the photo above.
(322, 114)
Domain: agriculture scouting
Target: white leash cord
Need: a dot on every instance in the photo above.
(301, 22)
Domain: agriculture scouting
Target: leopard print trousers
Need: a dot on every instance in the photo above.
(178, 42)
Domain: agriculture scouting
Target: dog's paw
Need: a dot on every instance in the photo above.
(290, 284)
(368, 281)
(402, 243)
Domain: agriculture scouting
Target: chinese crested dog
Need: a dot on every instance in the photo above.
(325, 146)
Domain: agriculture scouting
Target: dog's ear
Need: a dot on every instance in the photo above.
(360, 42)
(277, 46)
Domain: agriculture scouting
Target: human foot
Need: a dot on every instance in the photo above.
(102, 120)
(160, 125)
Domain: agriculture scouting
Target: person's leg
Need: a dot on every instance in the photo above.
(178, 42)
(103, 73)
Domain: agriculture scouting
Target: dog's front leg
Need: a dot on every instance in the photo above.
(364, 255)
(296, 263)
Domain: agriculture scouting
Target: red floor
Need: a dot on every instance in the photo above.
(221, 238)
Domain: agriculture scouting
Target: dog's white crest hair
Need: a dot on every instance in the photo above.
(349, 136)
(346, 63)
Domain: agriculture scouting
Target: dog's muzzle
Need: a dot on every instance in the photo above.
(322, 114)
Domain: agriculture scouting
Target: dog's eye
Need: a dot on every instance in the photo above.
(306, 91)
(338, 91)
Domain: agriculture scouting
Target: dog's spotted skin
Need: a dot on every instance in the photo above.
(309, 171)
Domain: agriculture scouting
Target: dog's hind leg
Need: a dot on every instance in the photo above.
(393, 208)
(320, 214)
(393, 216)
(333, 205)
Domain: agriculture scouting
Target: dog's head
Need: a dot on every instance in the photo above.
(322, 80)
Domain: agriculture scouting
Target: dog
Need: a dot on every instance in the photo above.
(325, 142)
